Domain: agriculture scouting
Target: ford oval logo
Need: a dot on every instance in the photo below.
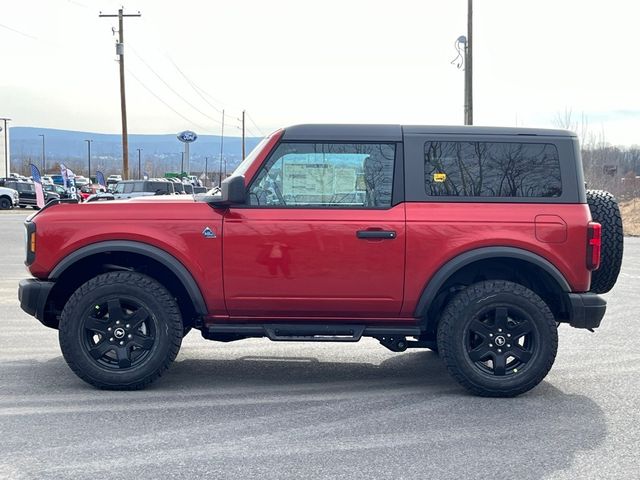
(187, 136)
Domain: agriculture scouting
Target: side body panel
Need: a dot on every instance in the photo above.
(309, 262)
(174, 226)
(438, 232)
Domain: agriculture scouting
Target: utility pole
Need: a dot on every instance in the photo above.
(221, 146)
(206, 161)
(123, 102)
(44, 170)
(89, 159)
(139, 165)
(243, 135)
(6, 145)
(468, 67)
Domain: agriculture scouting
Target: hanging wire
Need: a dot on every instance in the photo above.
(170, 87)
(143, 85)
(459, 45)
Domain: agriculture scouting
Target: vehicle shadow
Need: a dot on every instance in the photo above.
(401, 418)
(410, 409)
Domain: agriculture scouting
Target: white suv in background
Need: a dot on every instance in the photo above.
(9, 198)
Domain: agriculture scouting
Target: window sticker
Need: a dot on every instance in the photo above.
(439, 177)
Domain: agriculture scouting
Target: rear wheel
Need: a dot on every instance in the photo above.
(497, 338)
(604, 210)
(120, 330)
(5, 203)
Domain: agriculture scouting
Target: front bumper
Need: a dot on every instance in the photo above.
(587, 310)
(33, 295)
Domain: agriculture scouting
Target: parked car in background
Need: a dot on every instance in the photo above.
(177, 185)
(142, 188)
(197, 189)
(81, 181)
(27, 193)
(46, 179)
(89, 189)
(56, 178)
(112, 180)
(9, 198)
(53, 188)
(100, 196)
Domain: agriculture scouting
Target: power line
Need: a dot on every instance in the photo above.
(172, 89)
(142, 84)
(193, 85)
(19, 32)
(255, 125)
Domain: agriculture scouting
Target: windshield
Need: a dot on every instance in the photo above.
(244, 165)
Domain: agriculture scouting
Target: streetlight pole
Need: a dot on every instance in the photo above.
(89, 159)
(206, 161)
(139, 164)
(44, 164)
(181, 164)
(6, 145)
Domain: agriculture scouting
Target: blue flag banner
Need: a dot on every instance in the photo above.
(37, 180)
(100, 179)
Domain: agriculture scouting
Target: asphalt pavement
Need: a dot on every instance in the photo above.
(259, 409)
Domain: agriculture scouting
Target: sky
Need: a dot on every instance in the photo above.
(335, 61)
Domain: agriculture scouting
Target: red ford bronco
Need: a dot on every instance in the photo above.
(474, 242)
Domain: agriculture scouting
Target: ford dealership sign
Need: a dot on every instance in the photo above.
(187, 136)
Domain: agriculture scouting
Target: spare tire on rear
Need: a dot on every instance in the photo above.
(604, 210)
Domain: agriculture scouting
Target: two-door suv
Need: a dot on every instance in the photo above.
(474, 242)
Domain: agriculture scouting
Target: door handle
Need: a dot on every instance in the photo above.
(366, 234)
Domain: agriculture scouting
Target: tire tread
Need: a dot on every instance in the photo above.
(118, 278)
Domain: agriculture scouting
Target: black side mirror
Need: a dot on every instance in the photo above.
(232, 191)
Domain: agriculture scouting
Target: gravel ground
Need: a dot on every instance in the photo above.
(258, 409)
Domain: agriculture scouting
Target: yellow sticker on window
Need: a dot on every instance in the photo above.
(439, 177)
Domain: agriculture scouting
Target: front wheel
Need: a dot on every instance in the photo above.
(498, 338)
(120, 331)
(5, 203)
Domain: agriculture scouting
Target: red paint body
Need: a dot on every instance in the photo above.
(278, 263)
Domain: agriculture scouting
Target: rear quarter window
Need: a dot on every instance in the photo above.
(491, 169)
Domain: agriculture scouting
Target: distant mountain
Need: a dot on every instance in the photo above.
(159, 153)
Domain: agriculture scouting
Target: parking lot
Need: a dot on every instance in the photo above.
(258, 409)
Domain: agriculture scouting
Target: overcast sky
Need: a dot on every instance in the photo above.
(289, 62)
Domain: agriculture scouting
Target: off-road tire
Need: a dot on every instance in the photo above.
(163, 311)
(470, 305)
(5, 203)
(604, 210)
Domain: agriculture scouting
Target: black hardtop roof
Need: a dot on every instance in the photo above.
(393, 133)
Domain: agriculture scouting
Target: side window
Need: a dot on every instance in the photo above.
(491, 169)
(350, 175)
(137, 186)
(119, 188)
(128, 187)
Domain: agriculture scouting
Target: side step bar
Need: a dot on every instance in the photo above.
(306, 332)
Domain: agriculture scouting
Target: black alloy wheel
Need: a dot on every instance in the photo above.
(120, 330)
(501, 340)
(119, 333)
(497, 338)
